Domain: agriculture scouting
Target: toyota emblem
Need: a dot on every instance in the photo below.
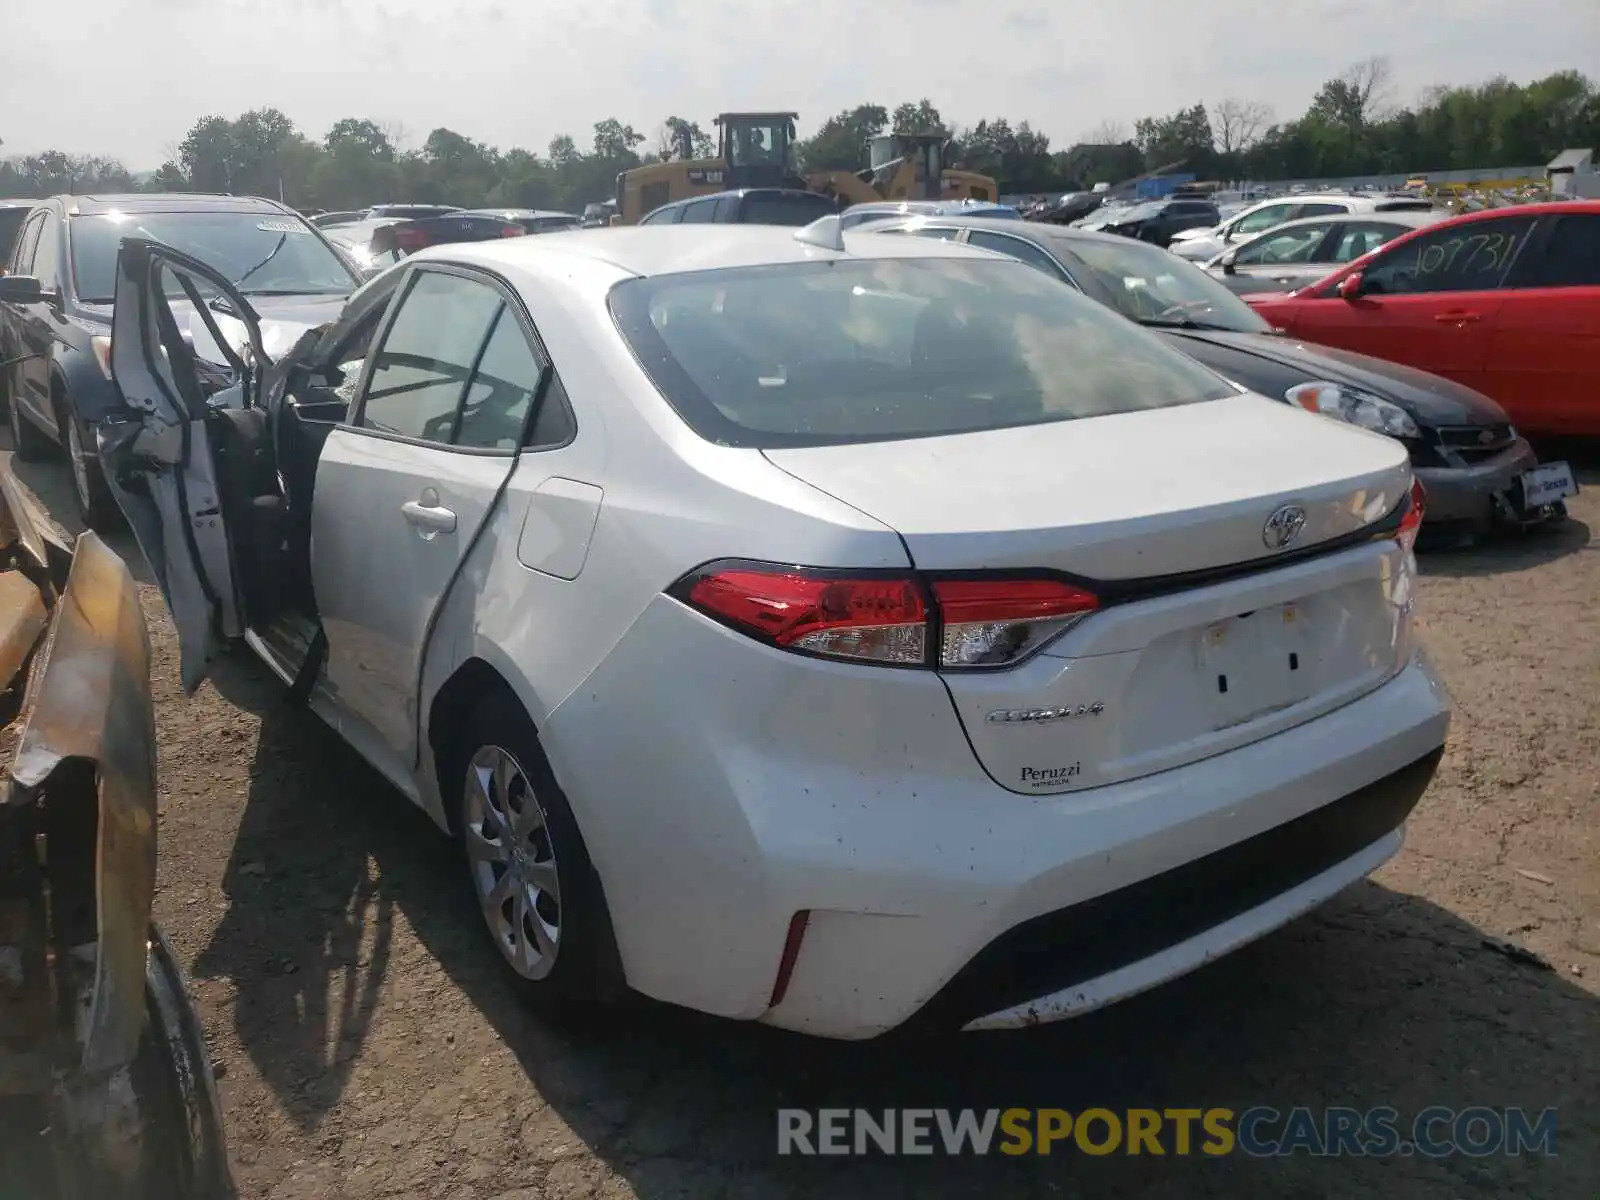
(1283, 526)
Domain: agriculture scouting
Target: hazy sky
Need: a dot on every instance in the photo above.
(128, 77)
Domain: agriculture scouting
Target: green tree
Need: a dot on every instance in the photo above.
(918, 117)
(843, 143)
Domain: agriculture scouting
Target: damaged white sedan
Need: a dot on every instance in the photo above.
(837, 630)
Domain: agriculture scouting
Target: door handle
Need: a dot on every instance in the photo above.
(429, 517)
(1455, 318)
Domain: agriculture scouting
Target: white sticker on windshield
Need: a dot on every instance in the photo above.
(279, 227)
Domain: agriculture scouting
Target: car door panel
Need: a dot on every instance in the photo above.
(177, 514)
(1543, 363)
(1433, 299)
(1546, 343)
(399, 506)
(380, 571)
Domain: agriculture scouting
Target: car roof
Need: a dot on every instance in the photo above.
(649, 250)
(1416, 218)
(525, 213)
(166, 202)
(749, 191)
(1041, 232)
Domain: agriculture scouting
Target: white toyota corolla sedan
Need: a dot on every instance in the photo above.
(836, 630)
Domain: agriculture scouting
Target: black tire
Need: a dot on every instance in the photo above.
(29, 441)
(96, 508)
(584, 972)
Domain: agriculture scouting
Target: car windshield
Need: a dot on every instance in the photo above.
(1157, 288)
(261, 253)
(855, 350)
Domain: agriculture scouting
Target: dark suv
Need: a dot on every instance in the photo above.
(1157, 220)
(747, 206)
(57, 293)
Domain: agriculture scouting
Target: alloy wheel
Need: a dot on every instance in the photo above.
(512, 861)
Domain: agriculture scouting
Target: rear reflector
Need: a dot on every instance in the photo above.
(512, 231)
(951, 624)
(1411, 522)
(790, 956)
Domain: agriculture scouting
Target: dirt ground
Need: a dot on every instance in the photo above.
(369, 1045)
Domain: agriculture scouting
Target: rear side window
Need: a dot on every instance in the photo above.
(22, 263)
(422, 368)
(1357, 239)
(700, 212)
(11, 221)
(1473, 256)
(47, 254)
(791, 210)
(502, 389)
(1286, 246)
(1262, 219)
(1572, 255)
(1018, 248)
(852, 350)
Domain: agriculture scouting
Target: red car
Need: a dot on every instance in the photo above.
(1506, 301)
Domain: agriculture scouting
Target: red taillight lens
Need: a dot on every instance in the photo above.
(880, 620)
(411, 239)
(1411, 522)
(991, 622)
(512, 231)
(987, 622)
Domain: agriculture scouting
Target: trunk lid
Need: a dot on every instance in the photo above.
(1208, 636)
(1151, 493)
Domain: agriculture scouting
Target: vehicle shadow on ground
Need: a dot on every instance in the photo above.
(1508, 552)
(308, 930)
(679, 1104)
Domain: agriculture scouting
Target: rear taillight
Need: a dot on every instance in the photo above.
(880, 620)
(992, 622)
(1411, 521)
(898, 620)
(411, 239)
(512, 231)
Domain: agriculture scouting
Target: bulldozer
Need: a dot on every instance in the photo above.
(757, 149)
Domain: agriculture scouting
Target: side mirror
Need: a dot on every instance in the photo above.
(1350, 287)
(1227, 262)
(23, 289)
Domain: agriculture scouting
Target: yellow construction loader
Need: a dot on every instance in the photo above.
(758, 150)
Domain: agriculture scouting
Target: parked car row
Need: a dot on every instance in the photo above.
(1203, 243)
(1478, 471)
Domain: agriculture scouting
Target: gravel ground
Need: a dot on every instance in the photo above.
(370, 1046)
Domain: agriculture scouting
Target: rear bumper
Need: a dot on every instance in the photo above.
(1466, 496)
(1079, 958)
(784, 785)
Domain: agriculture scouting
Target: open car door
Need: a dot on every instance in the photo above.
(163, 461)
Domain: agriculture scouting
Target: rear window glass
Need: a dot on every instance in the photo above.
(785, 210)
(852, 350)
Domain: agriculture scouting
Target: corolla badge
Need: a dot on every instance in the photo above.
(1039, 716)
(1283, 526)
